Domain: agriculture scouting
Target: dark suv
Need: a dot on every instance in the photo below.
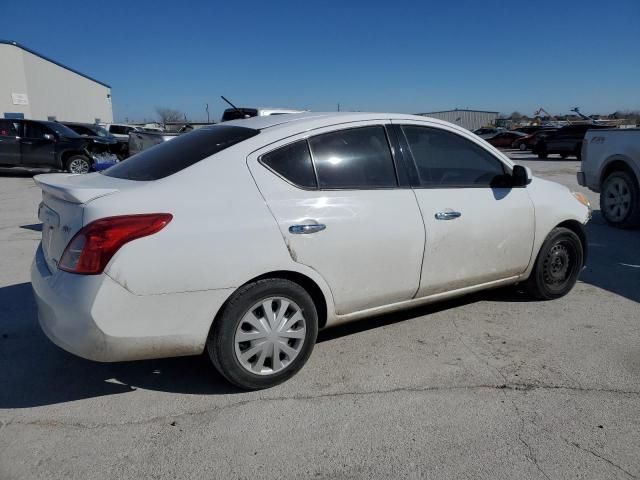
(30, 144)
(566, 141)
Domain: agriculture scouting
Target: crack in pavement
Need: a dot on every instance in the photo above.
(529, 453)
(516, 387)
(597, 455)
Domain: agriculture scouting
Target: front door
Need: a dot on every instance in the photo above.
(478, 230)
(9, 143)
(337, 201)
(37, 150)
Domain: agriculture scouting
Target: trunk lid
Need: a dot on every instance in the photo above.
(64, 197)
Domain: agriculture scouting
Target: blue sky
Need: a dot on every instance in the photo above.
(412, 56)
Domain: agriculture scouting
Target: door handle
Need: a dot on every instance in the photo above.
(306, 229)
(447, 215)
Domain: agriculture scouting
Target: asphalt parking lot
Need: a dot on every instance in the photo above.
(490, 386)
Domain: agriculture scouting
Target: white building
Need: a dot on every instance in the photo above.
(469, 119)
(36, 87)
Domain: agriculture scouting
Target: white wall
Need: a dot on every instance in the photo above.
(52, 90)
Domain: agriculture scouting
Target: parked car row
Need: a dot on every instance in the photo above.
(31, 144)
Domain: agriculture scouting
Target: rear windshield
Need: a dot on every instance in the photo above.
(179, 153)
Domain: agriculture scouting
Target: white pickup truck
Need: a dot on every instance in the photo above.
(611, 166)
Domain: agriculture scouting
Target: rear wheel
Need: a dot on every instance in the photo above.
(265, 334)
(558, 265)
(523, 146)
(620, 200)
(78, 164)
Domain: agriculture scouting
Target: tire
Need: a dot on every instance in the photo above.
(620, 200)
(543, 155)
(260, 370)
(523, 147)
(557, 266)
(564, 155)
(78, 164)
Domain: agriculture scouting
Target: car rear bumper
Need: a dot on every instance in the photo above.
(94, 317)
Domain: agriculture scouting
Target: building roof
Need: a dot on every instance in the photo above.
(458, 110)
(16, 44)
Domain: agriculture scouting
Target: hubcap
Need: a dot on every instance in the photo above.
(557, 265)
(270, 336)
(617, 199)
(79, 166)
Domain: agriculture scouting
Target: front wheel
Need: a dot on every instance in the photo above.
(558, 265)
(265, 334)
(523, 147)
(78, 164)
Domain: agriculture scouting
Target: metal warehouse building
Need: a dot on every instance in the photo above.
(36, 87)
(469, 119)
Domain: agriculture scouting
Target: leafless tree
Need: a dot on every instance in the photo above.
(167, 115)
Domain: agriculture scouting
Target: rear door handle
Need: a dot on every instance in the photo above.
(306, 229)
(447, 215)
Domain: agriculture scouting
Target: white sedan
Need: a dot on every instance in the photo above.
(246, 238)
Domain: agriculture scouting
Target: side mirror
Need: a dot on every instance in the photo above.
(521, 176)
(49, 136)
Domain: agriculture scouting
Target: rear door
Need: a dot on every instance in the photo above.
(9, 142)
(37, 150)
(477, 230)
(341, 210)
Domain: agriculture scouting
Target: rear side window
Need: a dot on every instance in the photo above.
(445, 159)
(177, 154)
(293, 162)
(9, 128)
(358, 158)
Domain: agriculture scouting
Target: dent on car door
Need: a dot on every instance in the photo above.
(478, 228)
(340, 210)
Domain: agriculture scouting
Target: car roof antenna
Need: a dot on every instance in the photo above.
(234, 107)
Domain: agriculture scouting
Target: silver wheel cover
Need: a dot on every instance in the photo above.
(270, 336)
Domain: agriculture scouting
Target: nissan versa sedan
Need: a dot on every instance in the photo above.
(243, 239)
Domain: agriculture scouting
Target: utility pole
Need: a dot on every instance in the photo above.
(207, 109)
(338, 106)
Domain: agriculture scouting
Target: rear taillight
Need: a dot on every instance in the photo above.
(92, 247)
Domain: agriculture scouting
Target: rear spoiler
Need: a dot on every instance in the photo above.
(74, 188)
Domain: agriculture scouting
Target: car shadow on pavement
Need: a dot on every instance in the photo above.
(613, 261)
(35, 372)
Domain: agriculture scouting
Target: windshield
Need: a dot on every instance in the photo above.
(174, 155)
(100, 132)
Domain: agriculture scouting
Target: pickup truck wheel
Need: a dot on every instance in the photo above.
(78, 164)
(620, 200)
(264, 334)
(558, 265)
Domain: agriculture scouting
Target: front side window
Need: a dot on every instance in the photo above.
(118, 130)
(172, 156)
(445, 159)
(293, 162)
(36, 130)
(357, 158)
